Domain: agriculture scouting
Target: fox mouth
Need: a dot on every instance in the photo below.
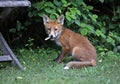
(52, 38)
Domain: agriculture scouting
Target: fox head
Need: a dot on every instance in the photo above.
(53, 27)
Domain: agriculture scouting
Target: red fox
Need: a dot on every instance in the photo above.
(77, 45)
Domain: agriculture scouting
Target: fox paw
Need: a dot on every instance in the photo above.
(66, 68)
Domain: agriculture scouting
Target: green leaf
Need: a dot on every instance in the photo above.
(48, 10)
(64, 1)
(73, 16)
(37, 5)
(49, 4)
(83, 31)
(33, 13)
(19, 25)
(95, 16)
(30, 14)
(100, 33)
(59, 10)
(84, 17)
(52, 16)
(78, 12)
(13, 30)
(110, 40)
(68, 16)
(57, 3)
(83, 25)
(77, 22)
(79, 2)
(118, 10)
(101, 1)
(40, 14)
(27, 23)
(90, 7)
(90, 28)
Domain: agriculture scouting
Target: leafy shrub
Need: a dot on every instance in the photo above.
(77, 13)
(112, 26)
(19, 29)
(102, 31)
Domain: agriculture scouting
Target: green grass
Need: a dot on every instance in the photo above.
(40, 69)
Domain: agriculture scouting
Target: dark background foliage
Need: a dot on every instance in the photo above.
(99, 20)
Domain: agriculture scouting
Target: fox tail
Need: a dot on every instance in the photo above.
(79, 64)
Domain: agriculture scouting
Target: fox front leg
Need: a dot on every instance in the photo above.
(63, 54)
(56, 59)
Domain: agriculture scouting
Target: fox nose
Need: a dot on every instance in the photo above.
(51, 36)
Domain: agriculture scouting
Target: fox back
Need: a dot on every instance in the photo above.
(79, 46)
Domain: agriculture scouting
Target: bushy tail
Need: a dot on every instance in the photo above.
(79, 64)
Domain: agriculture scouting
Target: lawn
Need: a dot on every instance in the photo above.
(40, 69)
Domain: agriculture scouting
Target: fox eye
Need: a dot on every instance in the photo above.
(56, 29)
(49, 29)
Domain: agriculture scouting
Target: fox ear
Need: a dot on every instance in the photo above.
(61, 19)
(45, 19)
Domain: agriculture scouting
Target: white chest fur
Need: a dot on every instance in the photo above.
(58, 43)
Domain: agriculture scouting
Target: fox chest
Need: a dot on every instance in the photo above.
(58, 43)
